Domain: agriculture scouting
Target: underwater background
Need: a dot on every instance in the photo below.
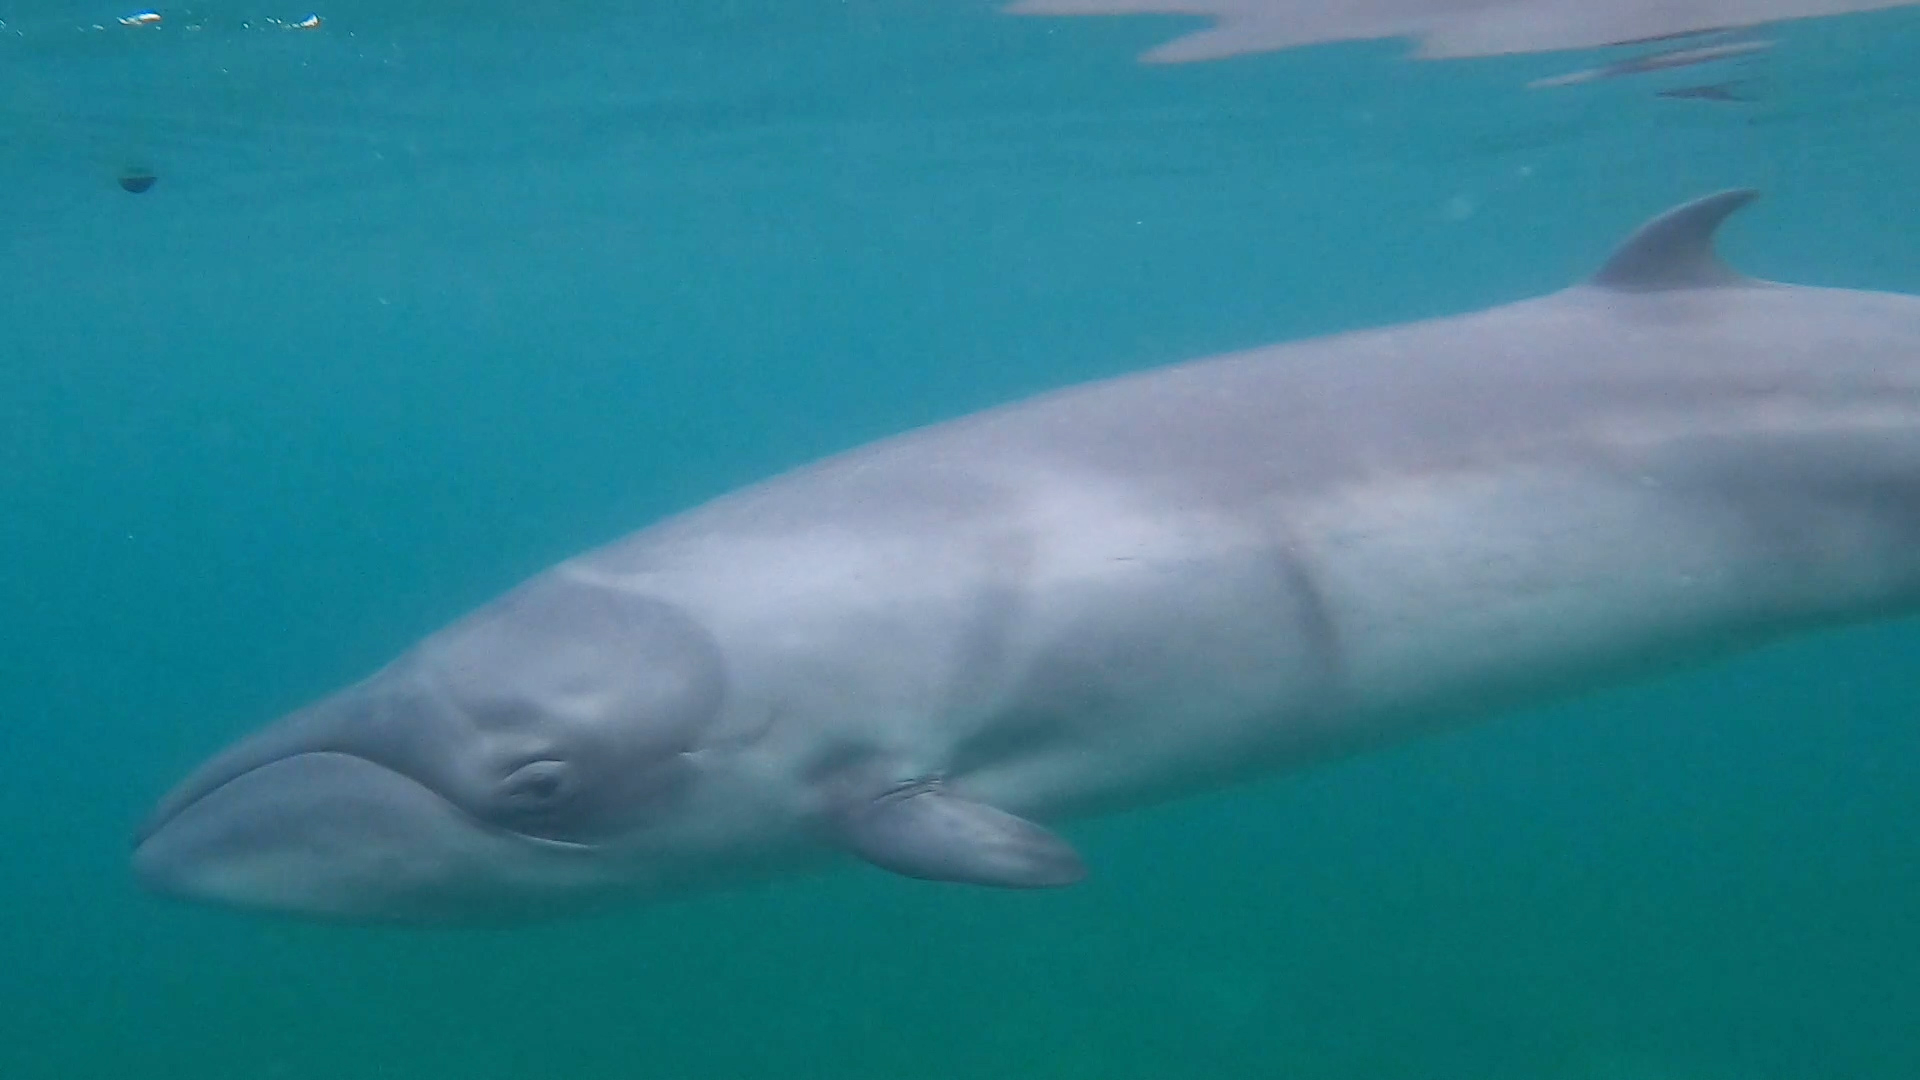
(430, 295)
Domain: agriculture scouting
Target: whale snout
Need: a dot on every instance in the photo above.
(320, 834)
(320, 816)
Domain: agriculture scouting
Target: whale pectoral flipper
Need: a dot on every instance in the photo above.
(921, 830)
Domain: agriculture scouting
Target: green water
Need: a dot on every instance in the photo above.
(434, 295)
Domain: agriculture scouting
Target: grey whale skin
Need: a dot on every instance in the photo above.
(925, 651)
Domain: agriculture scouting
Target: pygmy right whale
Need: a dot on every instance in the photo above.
(925, 652)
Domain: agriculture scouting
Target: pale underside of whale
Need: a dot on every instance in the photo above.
(1444, 29)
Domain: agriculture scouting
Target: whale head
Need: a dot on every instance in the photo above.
(528, 760)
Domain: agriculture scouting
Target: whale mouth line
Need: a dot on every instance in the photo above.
(173, 810)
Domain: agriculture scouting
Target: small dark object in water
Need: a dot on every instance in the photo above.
(136, 181)
(1726, 91)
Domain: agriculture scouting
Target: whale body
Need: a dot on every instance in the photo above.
(928, 652)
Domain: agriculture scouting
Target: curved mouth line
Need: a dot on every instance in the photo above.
(152, 828)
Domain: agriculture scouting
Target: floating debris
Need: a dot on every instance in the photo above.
(136, 181)
(311, 22)
(141, 18)
(1659, 61)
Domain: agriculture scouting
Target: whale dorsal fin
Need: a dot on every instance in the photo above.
(1675, 250)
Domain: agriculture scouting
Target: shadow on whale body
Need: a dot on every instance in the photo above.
(917, 651)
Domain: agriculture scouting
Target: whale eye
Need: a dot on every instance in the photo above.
(536, 786)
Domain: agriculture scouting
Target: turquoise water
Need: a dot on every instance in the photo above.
(436, 294)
